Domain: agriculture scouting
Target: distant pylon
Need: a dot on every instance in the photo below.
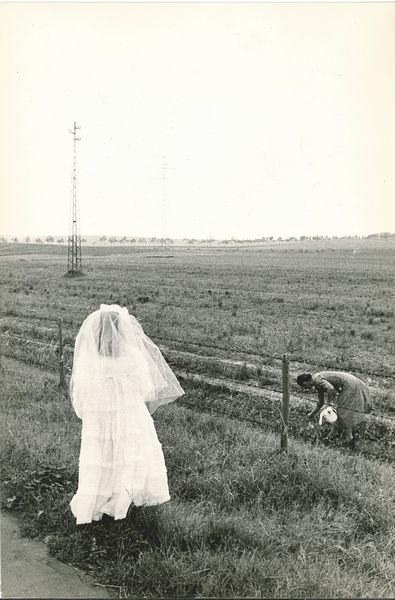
(164, 201)
(74, 266)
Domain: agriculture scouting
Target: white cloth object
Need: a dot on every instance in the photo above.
(328, 415)
(119, 377)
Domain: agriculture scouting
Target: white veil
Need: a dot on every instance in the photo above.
(112, 344)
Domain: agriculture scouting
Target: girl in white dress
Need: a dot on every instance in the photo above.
(119, 379)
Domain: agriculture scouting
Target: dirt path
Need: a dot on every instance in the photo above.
(27, 571)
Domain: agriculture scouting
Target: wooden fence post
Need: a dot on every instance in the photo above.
(285, 405)
(61, 359)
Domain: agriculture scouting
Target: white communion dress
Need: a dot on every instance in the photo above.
(119, 378)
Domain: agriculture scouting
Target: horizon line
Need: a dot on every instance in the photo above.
(62, 238)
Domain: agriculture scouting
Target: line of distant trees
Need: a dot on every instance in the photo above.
(155, 240)
(28, 240)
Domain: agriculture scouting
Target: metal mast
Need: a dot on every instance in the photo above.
(164, 201)
(74, 245)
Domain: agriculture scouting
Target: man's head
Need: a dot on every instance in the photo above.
(305, 380)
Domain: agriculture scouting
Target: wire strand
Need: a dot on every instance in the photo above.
(52, 345)
(217, 347)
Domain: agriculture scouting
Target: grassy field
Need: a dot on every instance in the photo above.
(317, 301)
(244, 520)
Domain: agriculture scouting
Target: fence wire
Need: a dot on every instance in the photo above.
(201, 344)
(54, 345)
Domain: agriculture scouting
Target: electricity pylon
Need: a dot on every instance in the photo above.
(74, 246)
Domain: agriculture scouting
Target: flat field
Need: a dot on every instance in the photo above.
(244, 519)
(323, 303)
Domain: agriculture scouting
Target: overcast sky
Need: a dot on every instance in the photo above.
(271, 119)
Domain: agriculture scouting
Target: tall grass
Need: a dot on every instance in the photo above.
(244, 519)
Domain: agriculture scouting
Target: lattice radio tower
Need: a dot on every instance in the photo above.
(74, 245)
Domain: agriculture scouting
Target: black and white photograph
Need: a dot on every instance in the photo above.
(197, 267)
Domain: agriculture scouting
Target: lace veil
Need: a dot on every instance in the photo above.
(112, 344)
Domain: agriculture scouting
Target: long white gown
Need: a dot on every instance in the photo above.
(121, 459)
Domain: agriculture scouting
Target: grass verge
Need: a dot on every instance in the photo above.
(244, 520)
